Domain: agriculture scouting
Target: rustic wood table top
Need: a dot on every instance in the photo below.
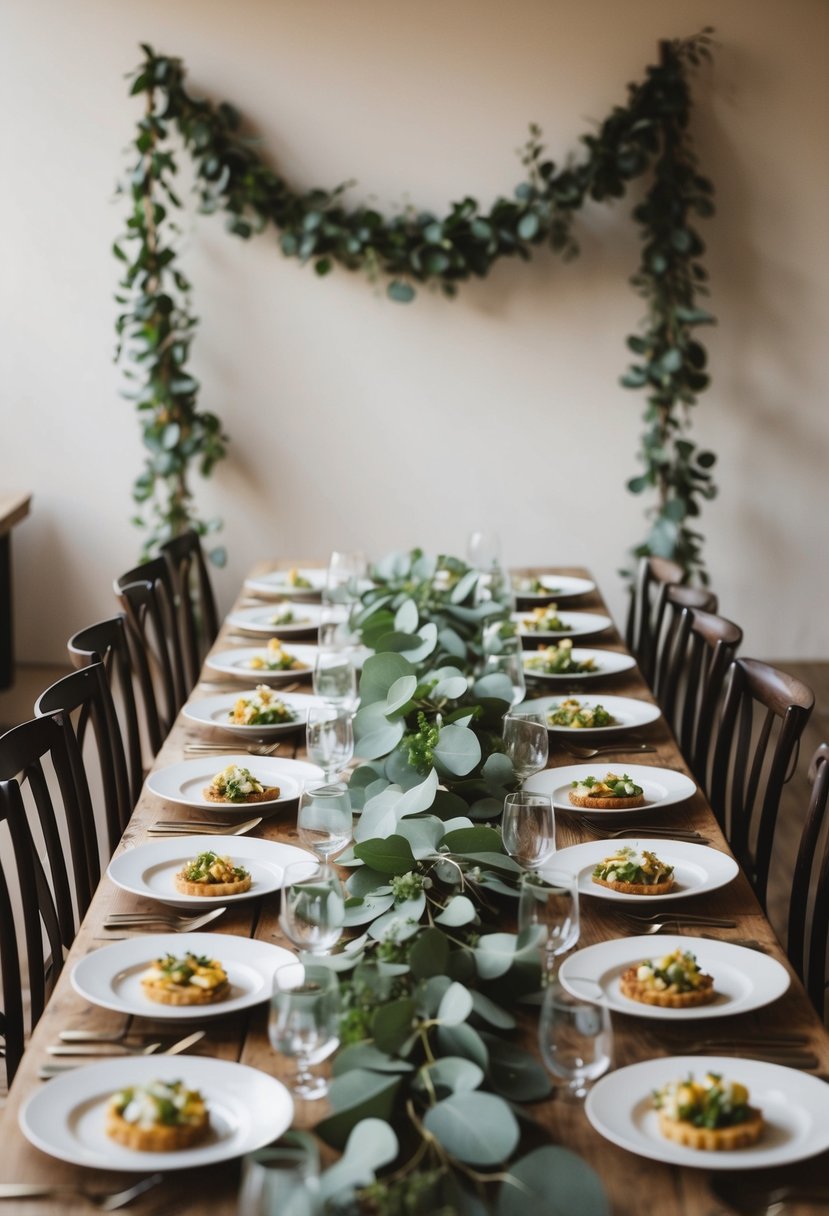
(634, 1185)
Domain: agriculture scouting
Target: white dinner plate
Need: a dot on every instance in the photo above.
(629, 712)
(66, 1118)
(276, 583)
(214, 711)
(661, 787)
(795, 1108)
(697, 867)
(556, 587)
(237, 663)
(111, 977)
(578, 624)
(259, 621)
(149, 870)
(608, 663)
(185, 782)
(743, 979)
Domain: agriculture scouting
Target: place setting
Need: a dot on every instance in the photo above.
(546, 622)
(255, 713)
(280, 619)
(271, 664)
(541, 588)
(233, 783)
(595, 717)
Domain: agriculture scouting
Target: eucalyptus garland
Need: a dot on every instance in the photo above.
(649, 134)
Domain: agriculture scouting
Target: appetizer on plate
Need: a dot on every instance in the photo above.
(633, 873)
(263, 709)
(544, 620)
(276, 658)
(712, 1114)
(288, 616)
(237, 784)
(558, 660)
(579, 715)
(210, 874)
(161, 1117)
(606, 793)
(190, 980)
(529, 585)
(295, 579)
(674, 981)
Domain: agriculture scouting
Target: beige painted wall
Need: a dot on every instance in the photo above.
(356, 422)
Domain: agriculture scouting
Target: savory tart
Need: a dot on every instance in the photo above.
(558, 660)
(237, 784)
(608, 793)
(579, 715)
(529, 585)
(633, 873)
(190, 980)
(161, 1117)
(295, 579)
(276, 658)
(287, 616)
(212, 875)
(264, 708)
(671, 982)
(544, 620)
(712, 1114)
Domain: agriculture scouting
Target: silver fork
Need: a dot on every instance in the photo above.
(104, 1202)
(194, 827)
(687, 918)
(600, 830)
(181, 924)
(221, 749)
(103, 1048)
(586, 753)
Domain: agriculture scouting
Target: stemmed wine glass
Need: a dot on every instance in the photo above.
(511, 665)
(342, 579)
(324, 822)
(312, 915)
(329, 739)
(305, 1020)
(483, 549)
(576, 1038)
(529, 828)
(283, 1178)
(335, 678)
(549, 902)
(526, 742)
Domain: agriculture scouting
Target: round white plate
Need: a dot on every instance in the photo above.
(276, 583)
(661, 787)
(629, 712)
(111, 977)
(744, 979)
(237, 663)
(697, 868)
(795, 1107)
(185, 782)
(258, 621)
(608, 663)
(149, 870)
(67, 1117)
(557, 587)
(579, 624)
(214, 711)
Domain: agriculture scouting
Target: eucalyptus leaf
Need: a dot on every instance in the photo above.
(455, 1074)
(366, 1055)
(463, 1040)
(473, 840)
(371, 1145)
(429, 956)
(458, 750)
(456, 1005)
(379, 817)
(406, 617)
(391, 1024)
(577, 1187)
(354, 1096)
(515, 1073)
(400, 694)
(419, 798)
(401, 923)
(459, 911)
(379, 673)
(477, 1128)
(392, 855)
(374, 734)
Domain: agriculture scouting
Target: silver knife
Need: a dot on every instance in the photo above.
(106, 1049)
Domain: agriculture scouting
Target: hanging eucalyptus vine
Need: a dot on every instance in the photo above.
(650, 134)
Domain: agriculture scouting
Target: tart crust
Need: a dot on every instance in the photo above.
(184, 994)
(638, 888)
(268, 794)
(160, 1138)
(606, 804)
(220, 889)
(638, 990)
(713, 1139)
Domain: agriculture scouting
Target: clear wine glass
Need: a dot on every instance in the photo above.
(312, 915)
(526, 742)
(282, 1179)
(342, 581)
(550, 903)
(575, 1037)
(512, 666)
(529, 828)
(324, 821)
(483, 549)
(305, 1021)
(329, 739)
(335, 678)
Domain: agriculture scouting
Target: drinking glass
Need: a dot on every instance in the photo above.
(575, 1037)
(483, 550)
(313, 906)
(329, 739)
(526, 742)
(550, 901)
(334, 630)
(335, 678)
(501, 637)
(324, 821)
(305, 1021)
(512, 666)
(529, 828)
(279, 1181)
(342, 579)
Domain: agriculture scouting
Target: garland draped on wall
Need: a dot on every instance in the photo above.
(648, 135)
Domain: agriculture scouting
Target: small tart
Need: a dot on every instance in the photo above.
(211, 875)
(632, 873)
(639, 990)
(713, 1139)
(238, 785)
(157, 1118)
(180, 995)
(220, 890)
(191, 980)
(267, 794)
(637, 888)
(611, 792)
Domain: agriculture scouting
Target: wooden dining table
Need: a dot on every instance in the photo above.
(634, 1185)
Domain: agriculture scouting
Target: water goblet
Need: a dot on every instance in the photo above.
(483, 549)
(510, 665)
(312, 915)
(526, 742)
(329, 739)
(575, 1037)
(549, 904)
(305, 1021)
(324, 822)
(342, 578)
(529, 828)
(335, 678)
(282, 1179)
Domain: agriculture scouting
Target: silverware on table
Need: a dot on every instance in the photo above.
(230, 749)
(587, 753)
(686, 834)
(180, 924)
(195, 827)
(112, 1049)
(104, 1201)
(685, 918)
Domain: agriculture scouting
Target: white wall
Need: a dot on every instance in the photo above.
(357, 422)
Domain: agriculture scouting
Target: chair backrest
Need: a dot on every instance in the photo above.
(692, 679)
(653, 577)
(672, 603)
(197, 606)
(764, 712)
(809, 902)
(59, 805)
(85, 698)
(128, 672)
(149, 604)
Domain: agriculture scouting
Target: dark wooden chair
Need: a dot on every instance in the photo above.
(197, 605)
(646, 621)
(757, 738)
(85, 698)
(672, 604)
(130, 680)
(808, 930)
(691, 681)
(150, 607)
(41, 786)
